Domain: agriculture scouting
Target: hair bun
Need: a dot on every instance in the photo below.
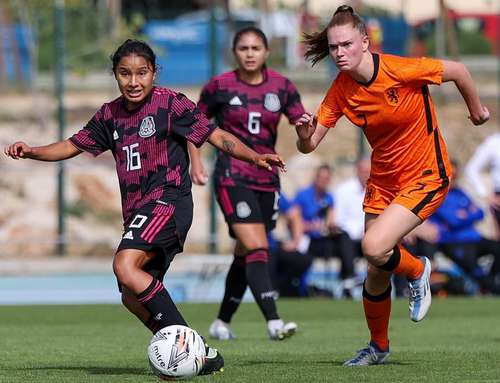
(344, 8)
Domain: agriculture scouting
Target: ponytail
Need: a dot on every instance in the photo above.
(317, 43)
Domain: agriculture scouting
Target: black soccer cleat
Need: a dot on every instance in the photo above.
(214, 362)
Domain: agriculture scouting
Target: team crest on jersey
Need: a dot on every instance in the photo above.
(392, 96)
(369, 193)
(272, 102)
(147, 128)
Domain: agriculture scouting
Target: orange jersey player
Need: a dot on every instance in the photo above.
(387, 97)
(409, 163)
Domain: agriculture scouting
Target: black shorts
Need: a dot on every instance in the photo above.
(161, 228)
(243, 205)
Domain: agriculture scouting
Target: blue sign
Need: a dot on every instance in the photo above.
(183, 50)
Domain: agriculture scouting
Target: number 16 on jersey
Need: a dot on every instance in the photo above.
(133, 157)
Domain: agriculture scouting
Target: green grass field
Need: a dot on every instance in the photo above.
(458, 342)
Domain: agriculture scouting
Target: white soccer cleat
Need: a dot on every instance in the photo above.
(221, 330)
(420, 293)
(368, 356)
(279, 330)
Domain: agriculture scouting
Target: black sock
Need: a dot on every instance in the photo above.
(153, 325)
(159, 304)
(260, 283)
(236, 284)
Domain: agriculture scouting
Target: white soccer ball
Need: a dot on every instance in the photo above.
(176, 352)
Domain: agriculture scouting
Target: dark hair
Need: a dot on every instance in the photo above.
(134, 47)
(324, 167)
(254, 30)
(317, 43)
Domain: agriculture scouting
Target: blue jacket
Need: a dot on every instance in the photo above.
(456, 217)
(313, 207)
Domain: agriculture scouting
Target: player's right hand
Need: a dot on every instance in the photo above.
(305, 126)
(18, 150)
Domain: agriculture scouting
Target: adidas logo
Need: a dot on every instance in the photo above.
(115, 135)
(128, 235)
(158, 316)
(235, 101)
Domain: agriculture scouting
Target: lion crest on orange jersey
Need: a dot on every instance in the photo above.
(392, 96)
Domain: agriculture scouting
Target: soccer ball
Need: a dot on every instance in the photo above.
(176, 352)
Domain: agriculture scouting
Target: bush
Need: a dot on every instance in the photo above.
(469, 43)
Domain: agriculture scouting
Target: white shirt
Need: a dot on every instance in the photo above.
(486, 157)
(349, 215)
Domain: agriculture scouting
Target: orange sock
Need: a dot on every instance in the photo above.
(409, 265)
(377, 313)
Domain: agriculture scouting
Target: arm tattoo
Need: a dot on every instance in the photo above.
(228, 146)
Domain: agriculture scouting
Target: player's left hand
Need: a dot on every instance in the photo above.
(267, 161)
(198, 173)
(481, 118)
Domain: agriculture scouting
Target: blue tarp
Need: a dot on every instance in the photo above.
(183, 50)
(16, 63)
(396, 32)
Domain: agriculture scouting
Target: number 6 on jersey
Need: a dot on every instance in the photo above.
(254, 122)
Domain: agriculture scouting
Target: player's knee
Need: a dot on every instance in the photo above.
(255, 244)
(122, 272)
(257, 255)
(374, 249)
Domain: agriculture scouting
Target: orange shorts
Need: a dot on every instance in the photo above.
(422, 197)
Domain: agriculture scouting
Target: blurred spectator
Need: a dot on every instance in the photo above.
(459, 240)
(317, 208)
(376, 34)
(349, 215)
(289, 259)
(487, 157)
(349, 195)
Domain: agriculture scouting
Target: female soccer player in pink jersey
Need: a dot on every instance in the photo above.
(249, 103)
(147, 129)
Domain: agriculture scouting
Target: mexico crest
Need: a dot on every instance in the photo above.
(272, 102)
(147, 128)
